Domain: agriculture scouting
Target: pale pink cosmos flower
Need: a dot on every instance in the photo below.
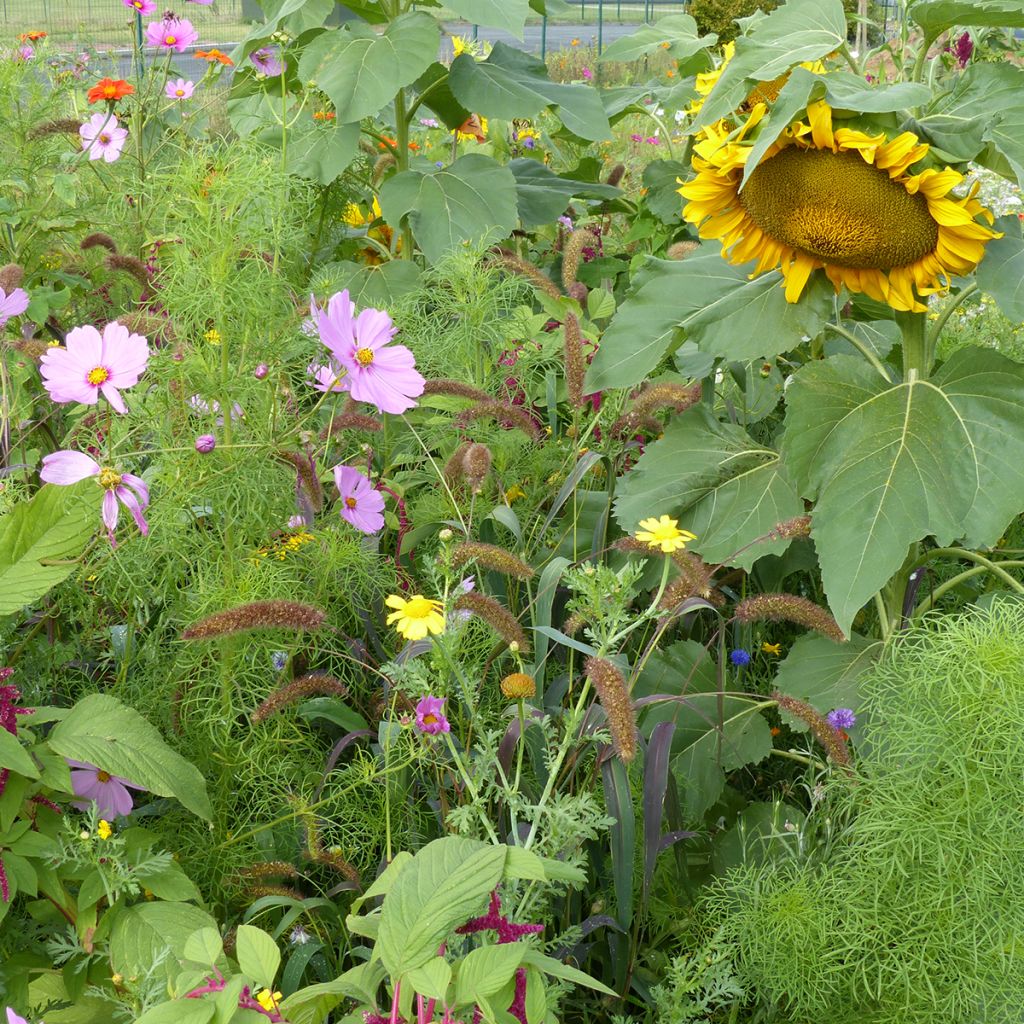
(67, 467)
(179, 90)
(109, 792)
(92, 363)
(103, 137)
(175, 34)
(268, 60)
(328, 377)
(13, 304)
(382, 374)
(13, 1018)
(24, 52)
(361, 503)
(142, 6)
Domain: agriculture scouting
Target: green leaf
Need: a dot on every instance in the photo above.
(148, 933)
(440, 98)
(361, 70)
(432, 979)
(935, 16)
(312, 1004)
(168, 882)
(824, 673)
(891, 464)
(512, 84)
(720, 309)
(40, 541)
(1001, 274)
(508, 15)
(679, 31)
(322, 152)
(717, 481)
(543, 195)
(486, 970)
(472, 200)
(446, 884)
(619, 803)
(1006, 133)
(661, 179)
(181, 1011)
(257, 954)
(881, 336)
(549, 965)
(102, 731)
(376, 286)
(204, 946)
(14, 756)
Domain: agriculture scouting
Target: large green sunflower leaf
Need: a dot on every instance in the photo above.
(719, 308)
(935, 16)
(543, 195)
(1006, 133)
(472, 200)
(509, 15)
(677, 33)
(513, 84)
(891, 464)
(361, 71)
(1001, 274)
(717, 481)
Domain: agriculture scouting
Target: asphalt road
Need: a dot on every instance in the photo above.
(558, 37)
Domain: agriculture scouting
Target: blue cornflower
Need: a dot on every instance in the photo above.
(739, 657)
(841, 718)
(279, 659)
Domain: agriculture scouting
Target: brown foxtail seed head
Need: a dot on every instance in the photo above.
(490, 556)
(99, 238)
(575, 364)
(257, 615)
(476, 463)
(614, 696)
(130, 265)
(62, 126)
(383, 162)
(454, 469)
(505, 413)
(798, 526)
(580, 239)
(445, 386)
(313, 684)
(824, 732)
(789, 608)
(680, 250)
(349, 421)
(503, 622)
(11, 275)
(615, 174)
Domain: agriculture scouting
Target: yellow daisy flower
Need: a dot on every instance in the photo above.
(416, 617)
(663, 534)
(768, 648)
(840, 200)
(103, 829)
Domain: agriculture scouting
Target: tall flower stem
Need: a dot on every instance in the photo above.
(916, 359)
(468, 782)
(402, 161)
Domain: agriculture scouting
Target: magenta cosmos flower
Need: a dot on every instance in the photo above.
(328, 376)
(103, 137)
(13, 1018)
(361, 503)
(12, 305)
(69, 467)
(430, 716)
(109, 792)
(90, 363)
(376, 372)
(142, 6)
(175, 34)
(268, 60)
(179, 90)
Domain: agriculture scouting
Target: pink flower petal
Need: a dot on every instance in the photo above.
(109, 511)
(67, 467)
(113, 396)
(139, 486)
(132, 504)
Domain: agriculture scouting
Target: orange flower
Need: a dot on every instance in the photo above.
(574, 42)
(215, 55)
(414, 146)
(110, 89)
(474, 127)
(31, 37)
(670, 74)
(324, 115)
(387, 142)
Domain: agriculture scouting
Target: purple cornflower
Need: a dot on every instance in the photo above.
(279, 659)
(13, 304)
(361, 503)
(205, 444)
(430, 717)
(566, 222)
(102, 137)
(841, 718)
(588, 74)
(268, 60)
(24, 52)
(109, 792)
(739, 657)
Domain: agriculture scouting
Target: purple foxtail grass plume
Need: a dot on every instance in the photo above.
(60, 126)
(789, 608)
(349, 421)
(129, 265)
(828, 736)
(314, 684)
(98, 238)
(307, 479)
(11, 275)
(680, 250)
(615, 175)
(505, 413)
(650, 399)
(573, 624)
(798, 526)
(445, 386)
(257, 615)
(258, 891)
(575, 364)
(490, 556)
(333, 859)
(476, 464)
(499, 618)
(380, 166)
(367, 147)
(454, 469)
(618, 708)
(578, 291)
(502, 257)
(270, 869)
(579, 240)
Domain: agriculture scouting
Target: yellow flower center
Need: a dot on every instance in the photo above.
(364, 356)
(837, 208)
(108, 480)
(110, 91)
(170, 40)
(104, 138)
(430, 719)
(102, 776)
(350, 502)
(179, 92)
(99, 374)
(419, 608)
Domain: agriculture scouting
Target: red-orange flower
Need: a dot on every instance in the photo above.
(109, 89)
(324, 115)
(31, 37)
(215, 55)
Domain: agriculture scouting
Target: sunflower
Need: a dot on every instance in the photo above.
(355, 217)
(841, 200)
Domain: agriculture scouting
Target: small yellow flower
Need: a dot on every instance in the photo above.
(514, 493)
(212, 336)
(574, 42)
(416, 617)
(663, 534)
(768, 648)
(103, 829)
(268, 1000)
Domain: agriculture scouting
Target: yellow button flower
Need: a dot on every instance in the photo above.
(416, 617)
(663, 534)
(103, 829)
(768, 648)
(268, 1000)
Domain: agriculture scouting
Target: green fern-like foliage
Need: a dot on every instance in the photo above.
(918, 918)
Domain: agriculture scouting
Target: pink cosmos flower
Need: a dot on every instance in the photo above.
(108, 791)
(13, 1018)
(175, 34)
(69, 467)
(102, 136)
(361, 503)
(430, 716)
(24, 52)
(384, 376)
(90, 363)
(328, 377)
(179, 90)
(200, 405)
(12, 305)
(267, 59)
(142, 6)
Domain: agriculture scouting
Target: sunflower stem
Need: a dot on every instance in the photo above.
(922, 57)
(916, 361)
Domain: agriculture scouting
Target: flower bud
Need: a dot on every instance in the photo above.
(446, 534)
(261, 371)
(205, 444)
